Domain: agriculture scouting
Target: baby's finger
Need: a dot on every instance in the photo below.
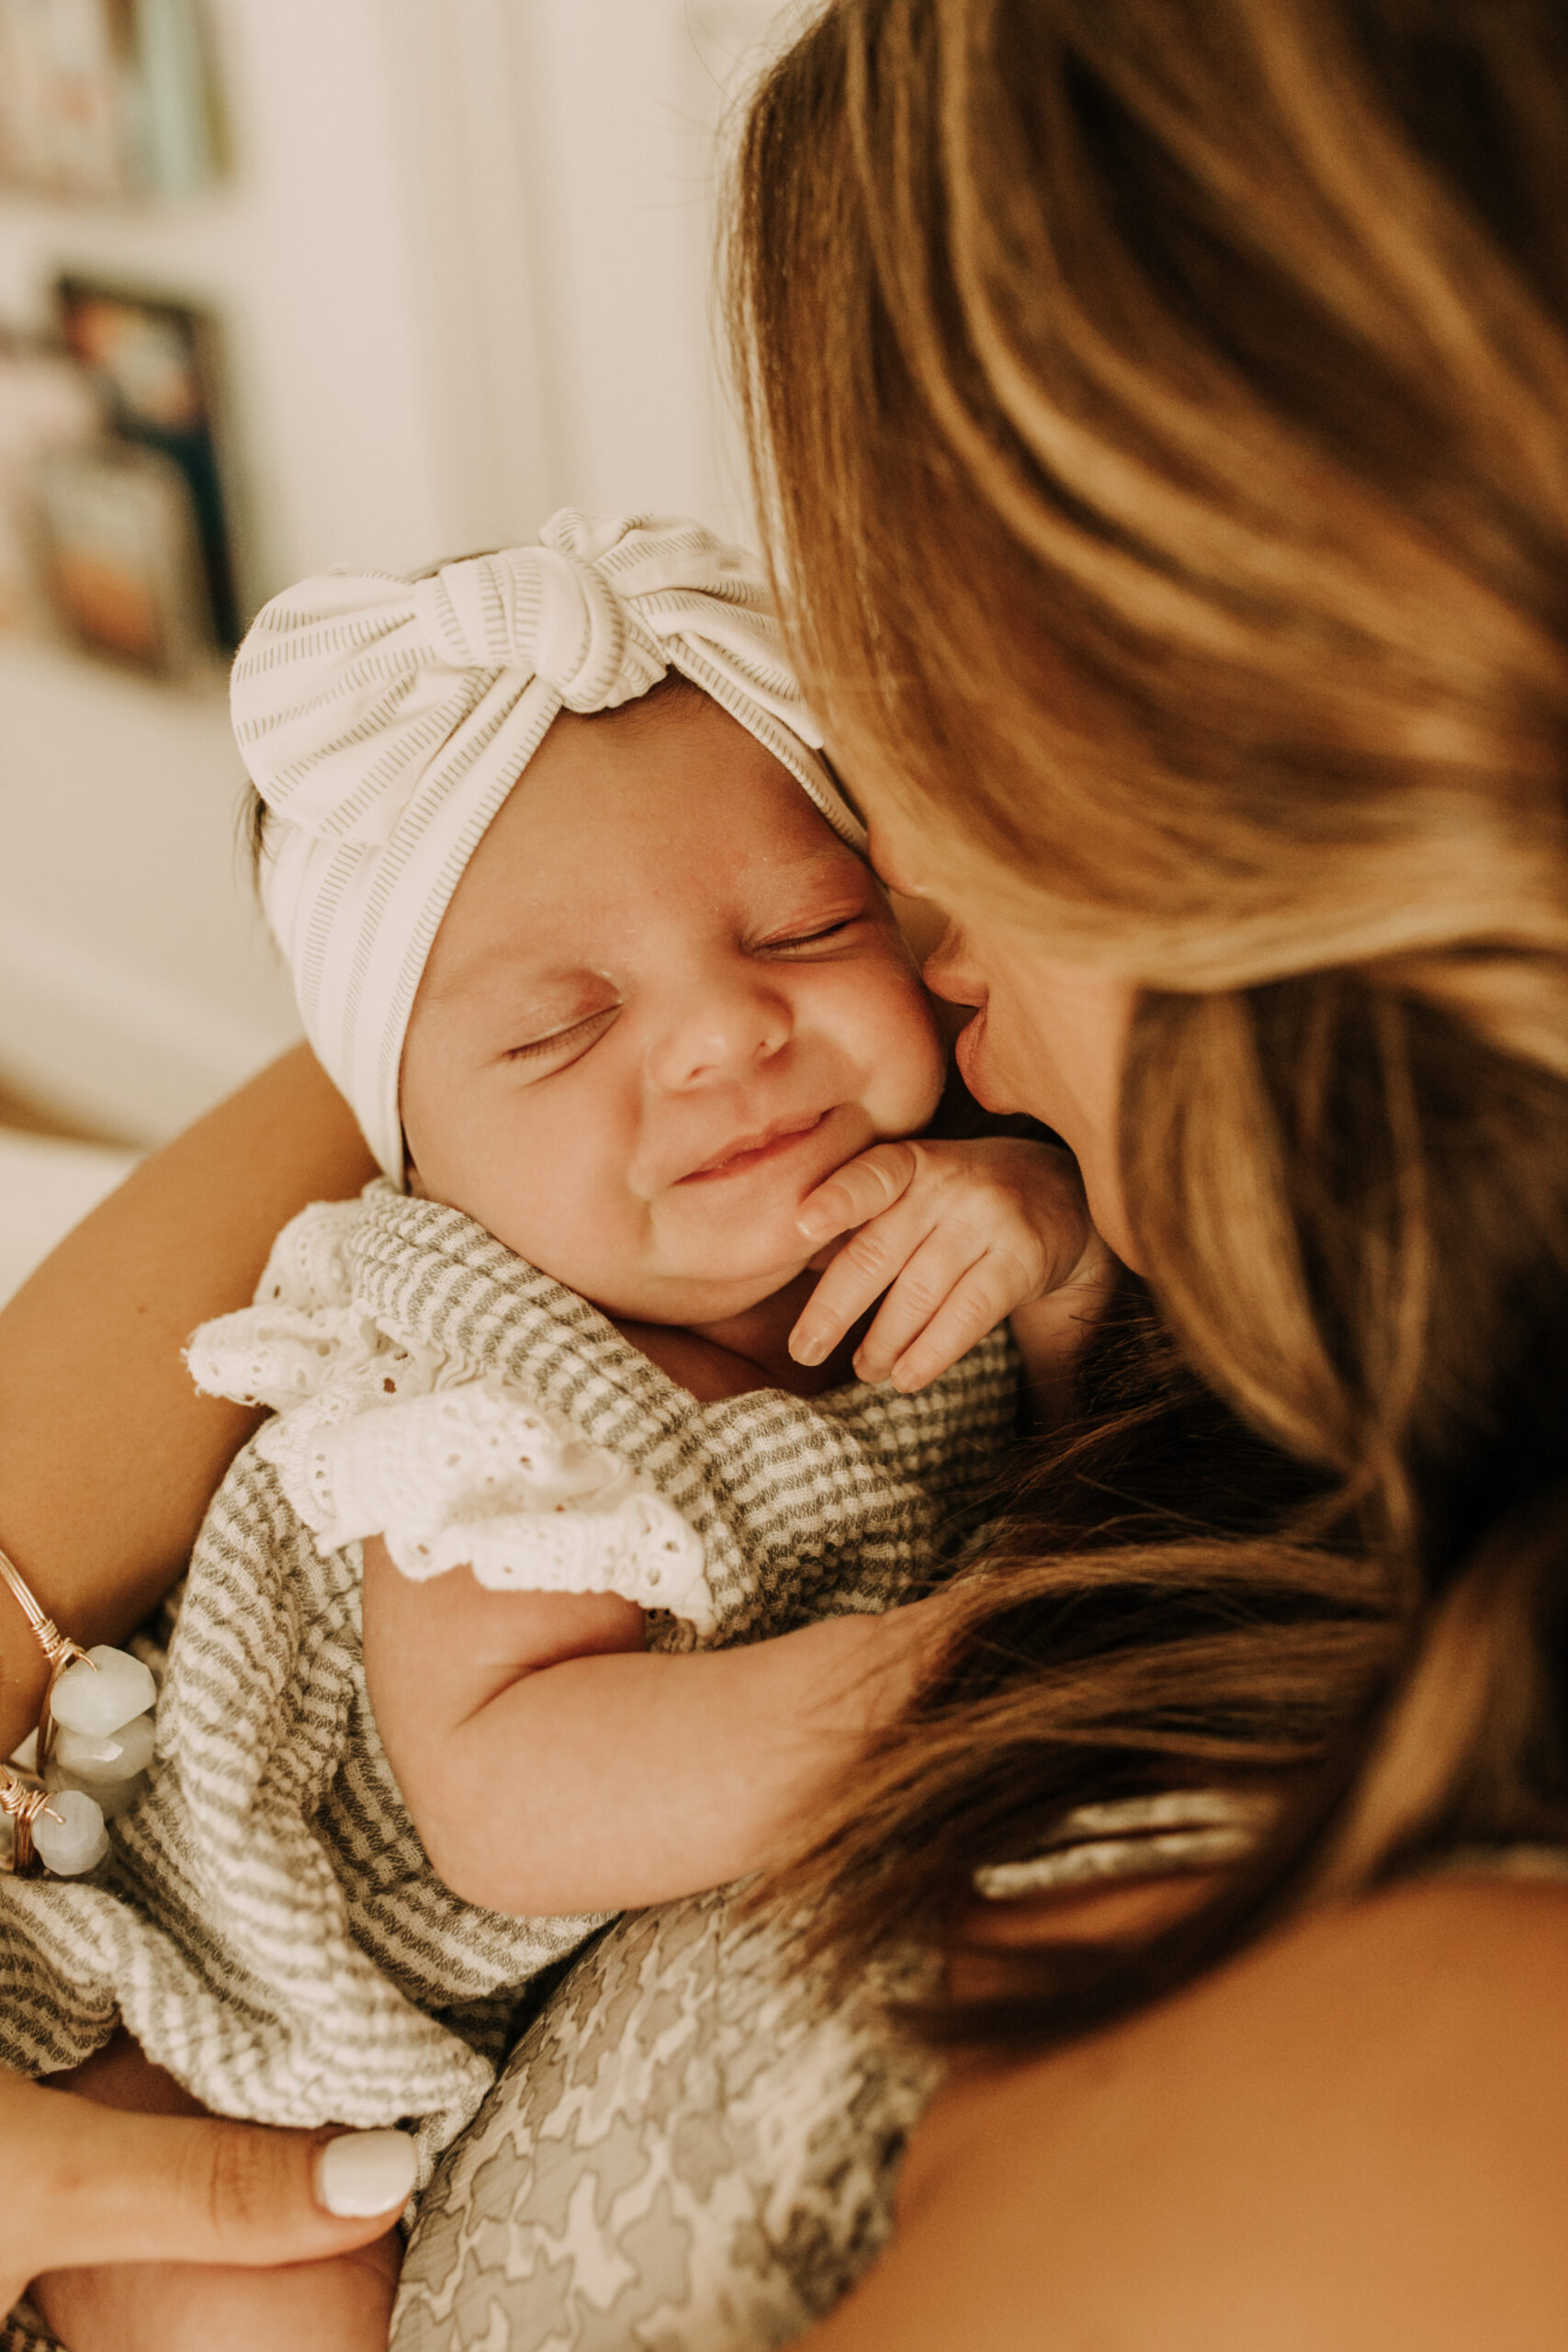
(864, 1266)
(844, 1291)
(975, 1305)
(946, 1259)
(858, 1191)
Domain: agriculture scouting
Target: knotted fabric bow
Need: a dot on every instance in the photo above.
(385, 721)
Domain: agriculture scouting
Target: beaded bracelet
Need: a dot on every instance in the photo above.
(43, 1784)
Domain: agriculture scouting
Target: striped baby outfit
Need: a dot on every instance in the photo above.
(266, 1923)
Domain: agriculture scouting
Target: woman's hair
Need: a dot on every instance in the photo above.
(1160, 411)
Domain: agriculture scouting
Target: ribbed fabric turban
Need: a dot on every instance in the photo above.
(385, 721)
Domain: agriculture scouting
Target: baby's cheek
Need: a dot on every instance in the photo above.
(910, 1065)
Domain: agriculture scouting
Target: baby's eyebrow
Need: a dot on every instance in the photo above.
(503, 973)
(550, 998)
(829, 867)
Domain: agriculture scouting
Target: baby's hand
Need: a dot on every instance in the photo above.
(958, 1235)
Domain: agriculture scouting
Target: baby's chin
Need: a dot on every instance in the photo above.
(696, 1299)
(676, 1288)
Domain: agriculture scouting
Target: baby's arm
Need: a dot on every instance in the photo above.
(959, 1235)
(551, 1764)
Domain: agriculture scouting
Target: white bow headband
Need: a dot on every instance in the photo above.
(384, 721)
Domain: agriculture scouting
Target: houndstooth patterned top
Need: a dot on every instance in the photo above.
(267, 1924)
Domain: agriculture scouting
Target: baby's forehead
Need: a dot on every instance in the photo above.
(656, 772)
(617, 833)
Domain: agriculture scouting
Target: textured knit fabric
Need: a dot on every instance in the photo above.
(385, 721)
(267, 1924)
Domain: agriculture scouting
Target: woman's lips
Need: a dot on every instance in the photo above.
(966, 1050)
(773, 1144)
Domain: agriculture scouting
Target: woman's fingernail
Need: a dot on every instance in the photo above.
(808, 1347)
(366, 2172)
(815, 1222)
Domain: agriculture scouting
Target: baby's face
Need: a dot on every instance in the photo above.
(665, 1002)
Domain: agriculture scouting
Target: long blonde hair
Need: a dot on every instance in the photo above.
(1160, 411)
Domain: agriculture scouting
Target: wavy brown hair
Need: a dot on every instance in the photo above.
(1160, 410)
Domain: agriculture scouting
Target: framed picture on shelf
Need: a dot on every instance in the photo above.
(105, 99)
(63, 67)
(124, 560)
(156, 361)
(46, 404)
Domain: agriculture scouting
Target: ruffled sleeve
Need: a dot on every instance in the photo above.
(303, 1334)
(376, 1434)
(473, 1474)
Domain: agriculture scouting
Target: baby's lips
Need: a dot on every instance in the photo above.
(748, 1142)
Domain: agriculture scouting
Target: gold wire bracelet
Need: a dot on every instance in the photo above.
(59, 1651)
(22, 1803)
(23, 1796)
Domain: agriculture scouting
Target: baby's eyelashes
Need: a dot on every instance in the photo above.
(815, 934)
(566, 1043)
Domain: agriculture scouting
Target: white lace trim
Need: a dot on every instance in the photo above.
(372, 1438)
(305, 1336)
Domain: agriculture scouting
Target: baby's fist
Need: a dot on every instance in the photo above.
(957, 1235)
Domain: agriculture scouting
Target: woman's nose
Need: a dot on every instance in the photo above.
(721, 1030)
(949, 970)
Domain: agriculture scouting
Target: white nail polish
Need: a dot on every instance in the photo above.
(365, 2172)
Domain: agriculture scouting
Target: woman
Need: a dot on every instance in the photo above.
(1173, 523)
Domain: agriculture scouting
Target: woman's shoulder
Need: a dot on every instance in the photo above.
(1355, 2135)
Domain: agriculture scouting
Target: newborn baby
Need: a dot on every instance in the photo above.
(560, 1583)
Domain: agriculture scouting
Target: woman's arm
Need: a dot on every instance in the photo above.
(108, 1456)
(1353, 2139)
(551, 1764)
(107, 1459)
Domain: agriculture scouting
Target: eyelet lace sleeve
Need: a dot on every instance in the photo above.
(374, 1436)
(472, 1474)
(305, 1338)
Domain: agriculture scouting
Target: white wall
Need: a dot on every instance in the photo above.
(463, 267)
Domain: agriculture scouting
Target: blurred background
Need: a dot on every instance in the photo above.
(287, 283)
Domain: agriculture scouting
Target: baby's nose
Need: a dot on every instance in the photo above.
(719, 1031)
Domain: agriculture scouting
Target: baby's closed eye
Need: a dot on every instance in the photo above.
(810, 938)
(564, 1044)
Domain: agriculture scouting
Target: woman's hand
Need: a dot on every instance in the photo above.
(86, 2183)
(958, 1236)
